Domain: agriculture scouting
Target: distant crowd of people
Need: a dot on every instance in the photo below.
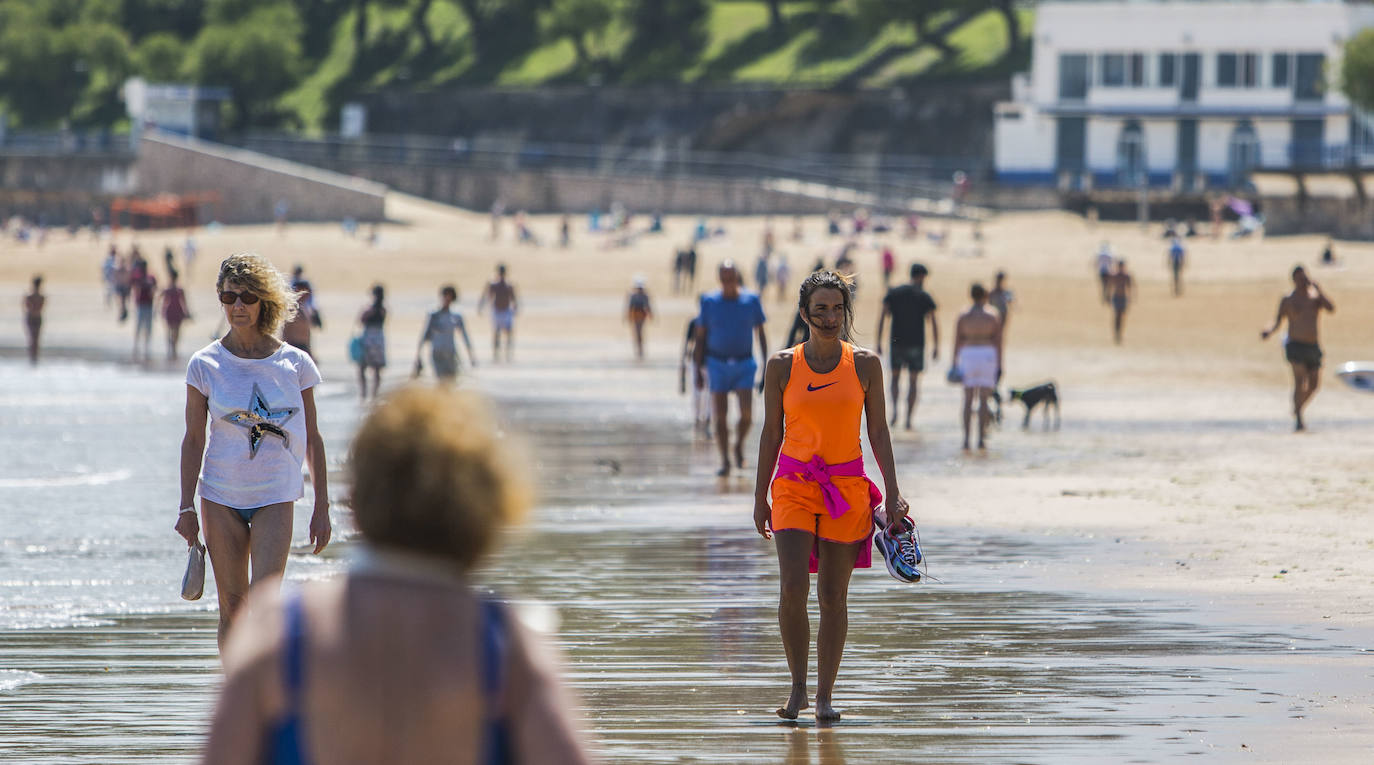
(130, 278)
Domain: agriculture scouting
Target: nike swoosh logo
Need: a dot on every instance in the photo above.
(814, 388)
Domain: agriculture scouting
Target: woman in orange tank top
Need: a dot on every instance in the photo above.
(822, 503)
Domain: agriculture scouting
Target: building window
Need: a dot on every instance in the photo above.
(1073, 76)
(1113, 70)
(1168, 64)
(1137, 70)
(1130, 155)
(1308, 82)
(1243, 153)
(1226, 70)
(1237, 70)
(1249, 70)
(1278, 73)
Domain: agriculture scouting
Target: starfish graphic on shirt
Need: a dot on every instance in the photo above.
(261, 420)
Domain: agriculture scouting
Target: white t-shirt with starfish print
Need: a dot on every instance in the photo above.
(256, 444)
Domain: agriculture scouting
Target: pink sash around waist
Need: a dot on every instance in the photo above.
(817, 471)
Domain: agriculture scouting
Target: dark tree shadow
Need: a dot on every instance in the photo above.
(841, 36)
(758, 44)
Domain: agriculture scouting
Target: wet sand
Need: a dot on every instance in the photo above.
(1171, 574)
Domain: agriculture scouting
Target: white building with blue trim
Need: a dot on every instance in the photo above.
(1178, 94)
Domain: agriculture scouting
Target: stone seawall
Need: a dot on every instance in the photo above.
(59, 190)
(1336, 204)
(250, 184)
(551, 191)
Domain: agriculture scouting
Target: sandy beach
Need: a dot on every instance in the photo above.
(1173, 572)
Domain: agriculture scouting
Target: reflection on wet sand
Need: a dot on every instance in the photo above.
(671, 640)
(824, 743)
(666, 603)
(669, 627)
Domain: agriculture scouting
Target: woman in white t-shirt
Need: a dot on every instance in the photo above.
(258, 395)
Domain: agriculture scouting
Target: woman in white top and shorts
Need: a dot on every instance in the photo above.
(257, 393)
(978, 359)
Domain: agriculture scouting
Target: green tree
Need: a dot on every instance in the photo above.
(235, 11)
(161, 57)
(668, 35)
(258, 58)
(1008, 10)
(935, 20)
(107, 60)
(419, 24)
(142, 18)
(776, 25)
(1357, 70)
(54, 68)
(577, 20)
(495, 26)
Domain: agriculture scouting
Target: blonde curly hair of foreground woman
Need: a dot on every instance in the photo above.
(257, 275)
(433, 473)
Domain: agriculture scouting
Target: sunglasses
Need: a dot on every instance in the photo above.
(228, 298)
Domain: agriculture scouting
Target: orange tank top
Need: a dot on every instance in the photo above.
(821, 412)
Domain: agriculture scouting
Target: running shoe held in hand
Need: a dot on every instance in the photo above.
(899, 549)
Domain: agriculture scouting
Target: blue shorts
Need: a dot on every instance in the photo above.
(732, 374)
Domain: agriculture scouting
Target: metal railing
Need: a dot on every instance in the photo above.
(887, 175)
(1334, 156)
(50, 143)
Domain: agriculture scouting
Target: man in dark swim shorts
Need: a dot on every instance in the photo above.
(1309, 355)
(910, 306)
(1302, 308)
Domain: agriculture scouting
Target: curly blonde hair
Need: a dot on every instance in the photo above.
(432, 473)
(254, 273)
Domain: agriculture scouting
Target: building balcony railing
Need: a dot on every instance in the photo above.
(1319, 155)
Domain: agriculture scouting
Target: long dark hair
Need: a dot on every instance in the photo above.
(829, 280)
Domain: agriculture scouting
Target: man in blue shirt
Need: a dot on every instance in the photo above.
(726, 325)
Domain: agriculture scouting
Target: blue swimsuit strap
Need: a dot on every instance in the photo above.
(286, 741)
(494, 644)
(287, 744)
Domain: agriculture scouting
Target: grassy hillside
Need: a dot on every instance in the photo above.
(736, 46)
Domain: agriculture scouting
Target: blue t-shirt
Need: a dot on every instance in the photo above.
(730, 323)
(1176, 253)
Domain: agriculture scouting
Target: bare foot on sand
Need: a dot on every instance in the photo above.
(796, 702)
(724, 470)
(826, 713)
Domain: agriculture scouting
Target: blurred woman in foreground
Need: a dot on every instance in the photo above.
(400, 660)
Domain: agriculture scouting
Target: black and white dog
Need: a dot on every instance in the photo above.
(1044, 393)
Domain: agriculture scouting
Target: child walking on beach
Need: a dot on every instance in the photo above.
(440, 327)
(637, 312)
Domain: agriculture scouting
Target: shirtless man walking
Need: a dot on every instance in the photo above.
(501, 293)
(1302, 308)
(978, 356)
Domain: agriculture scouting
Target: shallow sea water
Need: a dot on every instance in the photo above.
(663, 597)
